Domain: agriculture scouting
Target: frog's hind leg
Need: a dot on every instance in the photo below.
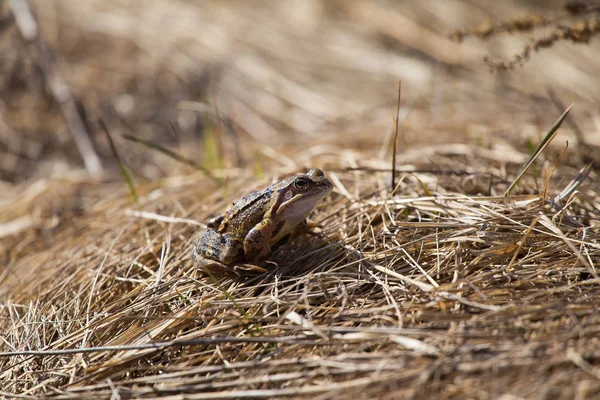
(211, 245)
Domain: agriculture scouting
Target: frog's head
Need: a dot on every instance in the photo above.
(300, 194)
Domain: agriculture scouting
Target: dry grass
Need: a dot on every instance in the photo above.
(434, 290)
(438, 288)
(578, 24)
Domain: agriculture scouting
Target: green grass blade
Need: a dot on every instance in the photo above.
(172, 154)
(547, 139)
(122, 166)
(574, 184)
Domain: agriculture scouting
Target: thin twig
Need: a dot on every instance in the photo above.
(395, 148)
(298, 340)
(58, 86)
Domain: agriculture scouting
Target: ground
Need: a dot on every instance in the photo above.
(441, 281)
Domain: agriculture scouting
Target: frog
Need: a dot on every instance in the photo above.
(246, 233)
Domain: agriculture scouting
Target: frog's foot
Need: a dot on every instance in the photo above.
(213, 267)
(309, 225)
(249, 268)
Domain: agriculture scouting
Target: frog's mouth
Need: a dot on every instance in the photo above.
(299, 206)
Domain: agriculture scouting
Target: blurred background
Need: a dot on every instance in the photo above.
(233, 82)
(252, 90)
(237, 84)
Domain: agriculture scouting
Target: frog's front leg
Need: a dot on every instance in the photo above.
(256, 242)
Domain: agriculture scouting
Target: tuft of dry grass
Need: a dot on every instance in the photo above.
(443, 281)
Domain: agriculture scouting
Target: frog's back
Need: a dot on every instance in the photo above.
(246, 213)
(247, 200)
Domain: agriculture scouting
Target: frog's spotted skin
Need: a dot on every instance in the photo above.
(247, 231)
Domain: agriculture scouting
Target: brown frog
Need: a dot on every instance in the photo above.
(247, 231)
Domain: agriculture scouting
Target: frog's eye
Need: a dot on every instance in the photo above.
(301, 183)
